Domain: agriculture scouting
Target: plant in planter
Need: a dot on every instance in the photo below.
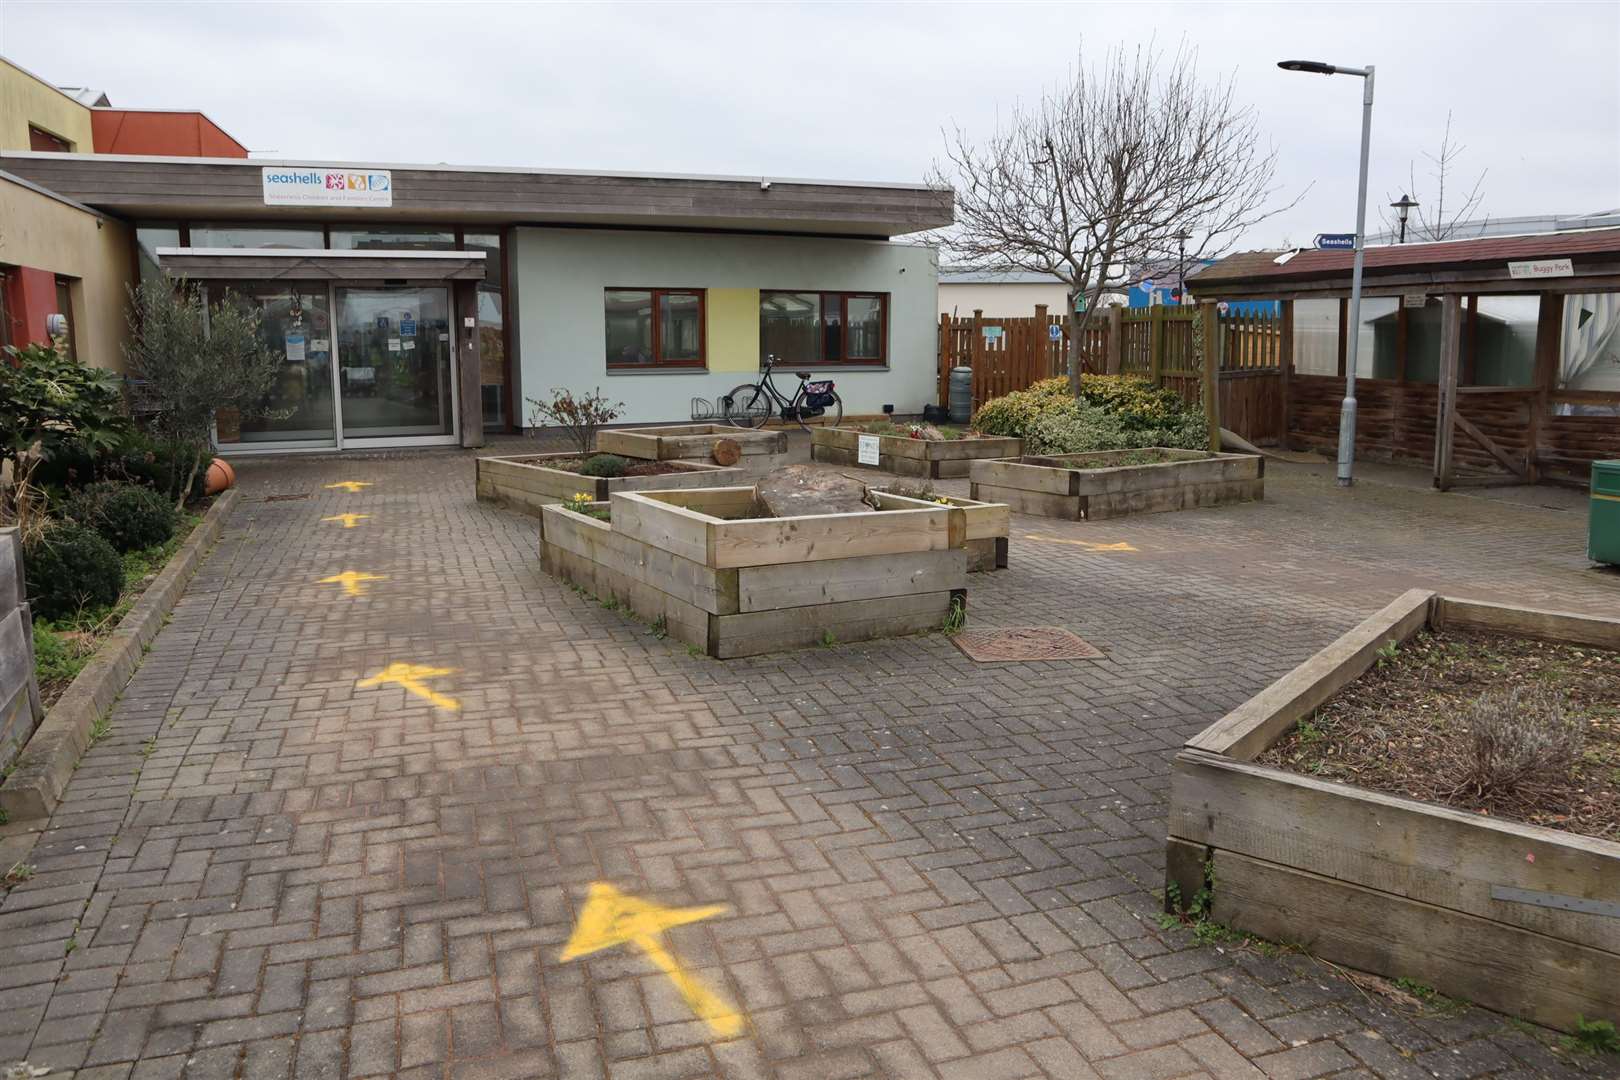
(580, 416)
(608, 465)
(191, 359)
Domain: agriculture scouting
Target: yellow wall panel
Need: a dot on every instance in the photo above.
(733, 329)
(25, 99)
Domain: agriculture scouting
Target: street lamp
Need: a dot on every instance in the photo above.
(1182, 236)
(1403, 208)
(1347, 412)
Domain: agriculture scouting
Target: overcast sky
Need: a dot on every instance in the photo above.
(851, 91)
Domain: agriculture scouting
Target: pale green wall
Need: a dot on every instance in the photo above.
(561, 274)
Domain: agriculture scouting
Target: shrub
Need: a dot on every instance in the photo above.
(71, 568)
(580, 417)
(130, 517)
(1518, 739)
(604, 465)
(1113, 412)
(58, 402)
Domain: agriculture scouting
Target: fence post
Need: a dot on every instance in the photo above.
(944, 360)
(1285, 361)
(1040, 360)
(1212, 371)
(1115, 347)
(976, 357)
(1156, 345)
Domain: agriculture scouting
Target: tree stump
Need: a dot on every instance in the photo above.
(726, 451)
(806, 489)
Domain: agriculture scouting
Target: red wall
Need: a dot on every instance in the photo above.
(30, 296)
(164, 134)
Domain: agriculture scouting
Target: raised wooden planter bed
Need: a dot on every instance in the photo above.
(985, 524)
(935, 460)
(739, 586)
(762, 451)
(526, 482)
(1085, 487)
(1518, 918)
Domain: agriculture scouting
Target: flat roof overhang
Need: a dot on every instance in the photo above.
(1457, 266)
(319, 264)
(232, 189)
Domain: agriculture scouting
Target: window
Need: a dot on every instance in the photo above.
(1316, 337)
(64, 307)
(41, 140)
(148, 238)
(394, 238)
(1589, 347)
(807, 328)
(492, 378)
(1503, 349)
(654, 328)
(258, 236)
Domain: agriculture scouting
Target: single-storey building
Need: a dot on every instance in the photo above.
(1491, 359)
(421, 304)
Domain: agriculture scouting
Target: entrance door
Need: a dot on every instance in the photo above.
(395, 378)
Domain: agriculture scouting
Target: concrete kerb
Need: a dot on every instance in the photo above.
(44, 767)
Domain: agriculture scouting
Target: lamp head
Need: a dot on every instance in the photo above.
(1314, 67)
(1404, 206)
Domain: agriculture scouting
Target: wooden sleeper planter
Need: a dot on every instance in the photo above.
(739, 586)
(1085, 487)
(986, 525)
(1519, 918)
(528, 482)
(933, 459)
(762, 451)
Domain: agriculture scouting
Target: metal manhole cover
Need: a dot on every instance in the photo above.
(1016, 643)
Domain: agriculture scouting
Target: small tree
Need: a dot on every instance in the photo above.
(1435, 221)
(1102, 175)
(193, 359)
(580, 417)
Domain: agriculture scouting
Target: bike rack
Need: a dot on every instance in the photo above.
(704, 409)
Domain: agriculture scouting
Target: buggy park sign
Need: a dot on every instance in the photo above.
(1541, 268)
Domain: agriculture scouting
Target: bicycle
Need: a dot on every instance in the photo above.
(751, 404)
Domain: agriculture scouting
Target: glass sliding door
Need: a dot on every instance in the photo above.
(295, 325)
(395, 375)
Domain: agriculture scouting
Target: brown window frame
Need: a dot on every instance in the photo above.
(844, 297)
(64, 292)
(54, 143)
(658, 361)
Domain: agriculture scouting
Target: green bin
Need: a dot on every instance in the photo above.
(1603, 527)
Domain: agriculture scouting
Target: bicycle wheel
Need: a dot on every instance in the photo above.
(748, 406)
(831, 415)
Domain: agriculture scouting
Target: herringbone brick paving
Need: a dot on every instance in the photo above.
(934, 868)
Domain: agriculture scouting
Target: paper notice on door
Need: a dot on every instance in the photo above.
(393, 344)
(866, 450)
(294, 343)
(320, 345)
(409, 343)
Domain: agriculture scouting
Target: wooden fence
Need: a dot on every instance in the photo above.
(20, 708)
(1157, 343)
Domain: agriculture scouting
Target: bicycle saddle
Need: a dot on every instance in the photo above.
(803, 375)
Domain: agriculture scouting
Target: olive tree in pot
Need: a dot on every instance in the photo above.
(190, 359)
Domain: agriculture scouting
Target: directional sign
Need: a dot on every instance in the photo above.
(1336, 241)
(1055, 333)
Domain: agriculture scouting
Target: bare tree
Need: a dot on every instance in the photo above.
(1099, 177)
(1434, 220)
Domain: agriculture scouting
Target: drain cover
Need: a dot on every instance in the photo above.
(1015, 643)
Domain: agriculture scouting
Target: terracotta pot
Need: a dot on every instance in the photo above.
(221, 477)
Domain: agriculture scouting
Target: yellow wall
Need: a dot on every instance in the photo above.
(733, 329)
(47, 234)
(25, 99)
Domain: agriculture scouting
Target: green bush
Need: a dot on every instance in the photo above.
(71, 569)
(58, 402)
(130, 517)
(1113, 412)
(604, 465)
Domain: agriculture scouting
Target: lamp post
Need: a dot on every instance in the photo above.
(1182, 236)
(1347, 412)
(1403, 208)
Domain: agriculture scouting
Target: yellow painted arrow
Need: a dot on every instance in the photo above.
(351, 486)
(612, 918)
(410, 677)
(351, 580)
(349, 520)
(1087, 544)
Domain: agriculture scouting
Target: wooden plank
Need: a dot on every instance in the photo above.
(818, 537)
(1210, 368)
(718, 502)
(12, 589)
(1016, 475)
(663, 525)
(788, 585)
(1501, 967)
(1253, 726)
(856, 620)
(683, 622)
(1450, 350)
(1449, 858)
(627, 444)
(1600, 631)
(701, 586)
(983, 520)
(1517, 468)
(1038, 503)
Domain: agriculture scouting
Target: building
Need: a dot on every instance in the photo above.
(421, 304)
(1491, 359)
(1002, 294)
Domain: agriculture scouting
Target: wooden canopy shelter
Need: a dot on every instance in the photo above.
(1496, 359)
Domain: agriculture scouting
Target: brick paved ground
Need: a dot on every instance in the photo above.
(935, 869)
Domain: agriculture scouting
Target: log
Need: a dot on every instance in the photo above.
(801, 490)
